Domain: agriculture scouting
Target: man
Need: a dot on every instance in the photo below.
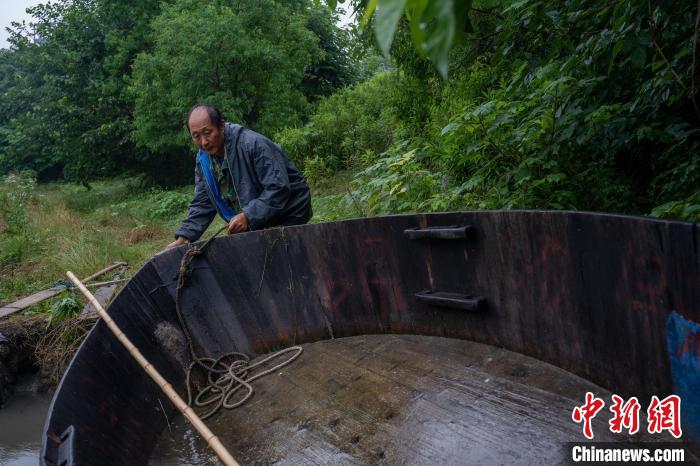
(242, 176)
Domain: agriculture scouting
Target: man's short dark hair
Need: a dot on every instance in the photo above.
(214, 113)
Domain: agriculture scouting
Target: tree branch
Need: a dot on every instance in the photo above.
(652, 28)
(489, 11)
(692, 91)
(693, 68)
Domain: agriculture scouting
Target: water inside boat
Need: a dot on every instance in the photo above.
(398, 399)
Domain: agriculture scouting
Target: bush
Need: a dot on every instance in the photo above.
(686, 209)
(557, 107)
(16, 239)
(87, 198)
(12, 249)
(317, 170)
(399, 182)
(154, 204)
(64, 308)
(168, 204)
(296, 143)
(346, 126)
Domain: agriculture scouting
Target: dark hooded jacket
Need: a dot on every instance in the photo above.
(270, 189)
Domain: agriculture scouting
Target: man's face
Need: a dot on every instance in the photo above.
(205, 135)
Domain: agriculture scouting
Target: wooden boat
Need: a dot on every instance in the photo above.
(545, 305)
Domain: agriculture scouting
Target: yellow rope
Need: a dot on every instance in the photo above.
(228, 373)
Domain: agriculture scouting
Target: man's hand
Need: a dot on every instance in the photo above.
(238, 224)
(179, 241)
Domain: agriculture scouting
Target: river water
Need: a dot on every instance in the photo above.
(21, 422)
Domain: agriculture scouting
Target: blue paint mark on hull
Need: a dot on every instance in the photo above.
(683, 338)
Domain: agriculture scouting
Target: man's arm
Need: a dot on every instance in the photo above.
(200, 214)
(272, 173)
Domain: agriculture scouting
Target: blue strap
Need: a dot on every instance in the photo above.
(226, 212)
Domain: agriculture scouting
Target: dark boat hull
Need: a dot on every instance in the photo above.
(613, 299)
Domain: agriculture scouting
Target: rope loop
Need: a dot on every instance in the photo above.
(227, 374)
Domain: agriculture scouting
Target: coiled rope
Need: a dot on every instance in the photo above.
(228, 373)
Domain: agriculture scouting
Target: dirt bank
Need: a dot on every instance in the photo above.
(18, 341)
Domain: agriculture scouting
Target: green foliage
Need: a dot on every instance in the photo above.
(336, 67)
(134, 201)
(16, 238)
(334, 200)
(65, 112)
(686, 209)
(83, 200)
(565, 106)
(399, 182)
(76, 102)
(221, 53)
(64, 308)
(12, 249)
(435, 25)
(317, 170)
(126, 200)
(17, 191)
(576, 104)
(168, 204)
(348, 127)
(116, 220)
(296, 143)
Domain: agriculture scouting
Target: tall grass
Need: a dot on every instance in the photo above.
(68, 227)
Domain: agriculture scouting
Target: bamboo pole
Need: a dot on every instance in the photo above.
(110, 282)
(169, 391)
(105, 270)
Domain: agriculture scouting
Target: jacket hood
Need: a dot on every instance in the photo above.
(231, 133)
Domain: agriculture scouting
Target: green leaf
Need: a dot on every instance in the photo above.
(555, 177)
(371, 6)
(461, 11)
(638, 58)
(516, 6)
(616, 49)
(414, 12)
(440, 33)
(386, 19)
(448, 128)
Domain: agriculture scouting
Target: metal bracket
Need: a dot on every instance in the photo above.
(452, 300)
(439, 232)
(64, 457)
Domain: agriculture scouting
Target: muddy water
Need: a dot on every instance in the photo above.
(21, 423)
(398, 399)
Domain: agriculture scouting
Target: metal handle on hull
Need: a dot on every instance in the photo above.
(62, 448)
(439, 232)
(452, 300)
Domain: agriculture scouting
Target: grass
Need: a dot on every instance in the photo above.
(333, 199)
(46, 230)
(69, 227)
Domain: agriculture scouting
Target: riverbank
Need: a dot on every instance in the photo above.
(19, 339)
(26, 387)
